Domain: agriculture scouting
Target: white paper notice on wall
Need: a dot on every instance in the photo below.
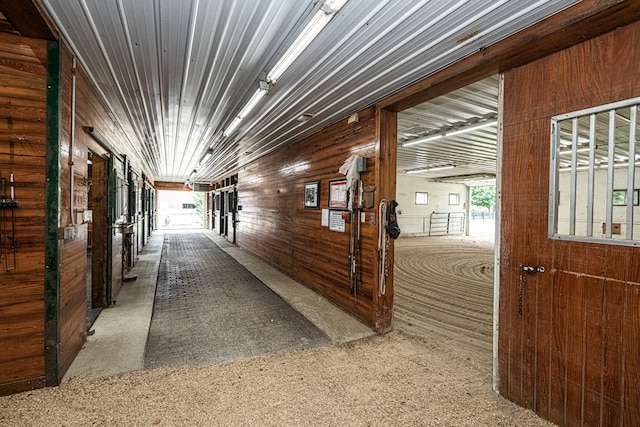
(325, 217)
(336, 223)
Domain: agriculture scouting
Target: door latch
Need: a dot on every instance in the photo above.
(525, 270)
(531, 269)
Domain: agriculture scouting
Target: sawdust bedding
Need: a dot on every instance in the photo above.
(383, 380)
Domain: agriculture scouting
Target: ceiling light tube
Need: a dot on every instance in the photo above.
(441, 168)
(452, 133)
(322, 17)
(433, 169)
(234, 124)
(472, 128)
(423, 140)
(579, 150)
(257, 96)
(207, 156)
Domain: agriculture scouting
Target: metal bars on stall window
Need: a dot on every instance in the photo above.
(594, 187)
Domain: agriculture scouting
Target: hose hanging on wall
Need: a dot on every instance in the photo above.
(387, 227)
(383, 247)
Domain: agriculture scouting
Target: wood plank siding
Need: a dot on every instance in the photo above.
(573, 355)
(275, 225)
(22, 153)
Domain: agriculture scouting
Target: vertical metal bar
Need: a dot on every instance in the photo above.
(591, 177)
(574, 176)
(631, 177)
(553, 178)
(497, 248)
(610, 165)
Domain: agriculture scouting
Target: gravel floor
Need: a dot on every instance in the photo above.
(389, 380)
(423, 379)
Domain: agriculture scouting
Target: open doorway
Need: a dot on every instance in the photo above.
(93, 310)
(180, 209)
(444, 260)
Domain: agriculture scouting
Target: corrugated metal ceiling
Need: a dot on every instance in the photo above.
(176, 73)
(472, 155)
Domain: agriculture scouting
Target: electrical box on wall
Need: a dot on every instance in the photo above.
(84, 217)
(361, 164)
(70, 233)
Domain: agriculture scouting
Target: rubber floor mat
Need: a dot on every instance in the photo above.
(209, 308)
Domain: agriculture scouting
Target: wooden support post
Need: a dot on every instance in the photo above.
(386, 152)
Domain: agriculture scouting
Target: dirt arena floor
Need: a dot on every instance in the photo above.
(444, 292)
(434, 374)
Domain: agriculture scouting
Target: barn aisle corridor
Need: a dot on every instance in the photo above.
(209, 308)
(215, 302)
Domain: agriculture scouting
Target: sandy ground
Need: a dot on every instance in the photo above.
(444, 291)
(390, 380)
(434, 374)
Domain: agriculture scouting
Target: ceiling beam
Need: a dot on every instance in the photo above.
(26, 18)
(580, 22)
(173, 186)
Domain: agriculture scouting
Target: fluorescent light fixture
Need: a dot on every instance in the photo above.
(433, 169)
(193, 174)
(423, 140)
(579, 150)
(472, 128)
(234, 124)
(451, 133)
(441, 168)
(320, 20)
(207, 156)
(257, 96)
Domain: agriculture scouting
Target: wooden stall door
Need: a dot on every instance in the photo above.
(569, 341)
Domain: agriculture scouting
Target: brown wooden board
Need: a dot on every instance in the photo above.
(22, 153)
(275, 224)
(571, 355)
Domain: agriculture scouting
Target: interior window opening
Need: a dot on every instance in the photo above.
(595, 185)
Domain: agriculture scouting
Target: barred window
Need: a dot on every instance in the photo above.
(594, 179)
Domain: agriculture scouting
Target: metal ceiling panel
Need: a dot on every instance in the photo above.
(176, 73)
(472, 154)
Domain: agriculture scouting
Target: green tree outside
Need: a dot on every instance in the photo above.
(198, 200)
(484, 197)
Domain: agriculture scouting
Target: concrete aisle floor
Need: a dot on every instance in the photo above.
(118, 344)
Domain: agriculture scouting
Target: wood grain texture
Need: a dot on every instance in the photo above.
(275, 225)
(22, 153)
(572, 355)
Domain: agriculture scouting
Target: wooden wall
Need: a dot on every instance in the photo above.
(22, 153)
(89, 111)
(275, 225)
(23, 128)
(573, 356)
(73, 252)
